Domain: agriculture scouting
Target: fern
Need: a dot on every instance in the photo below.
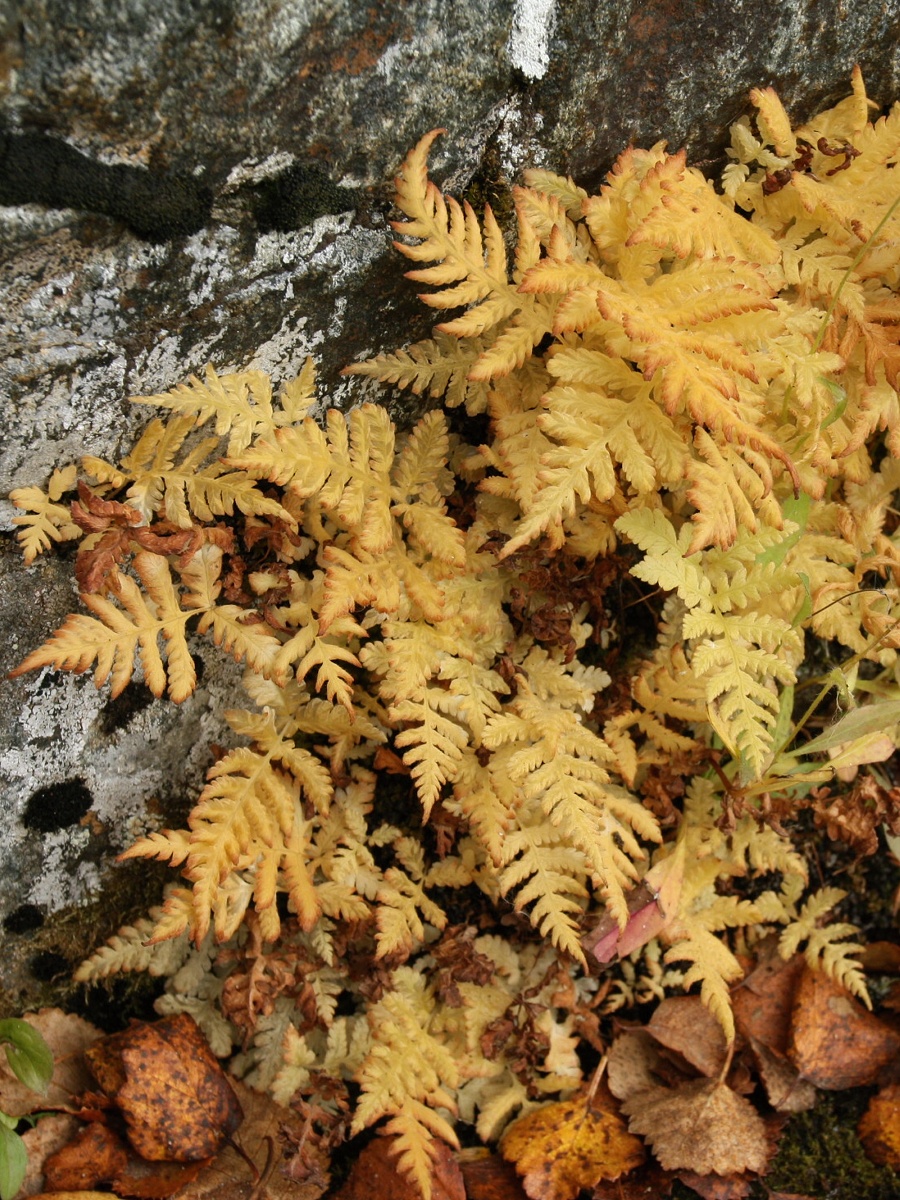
(115, 635)
(405, 1075)
(826, 948)
(46, 520)
(712, 395)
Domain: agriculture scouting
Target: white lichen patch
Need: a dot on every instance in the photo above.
(529, 39)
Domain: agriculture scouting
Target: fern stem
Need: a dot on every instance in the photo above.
(857, 259)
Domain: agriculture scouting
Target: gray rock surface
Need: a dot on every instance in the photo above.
(228, 95)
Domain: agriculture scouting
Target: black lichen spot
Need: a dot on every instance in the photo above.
(297, 196)
(118, 713)
(47, 965)
(57, 806)
(24, 919)
(38, 169)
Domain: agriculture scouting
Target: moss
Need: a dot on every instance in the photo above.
(820, 1154)
(297, 196)
(156, 206)
(43, 957)
(489, 186)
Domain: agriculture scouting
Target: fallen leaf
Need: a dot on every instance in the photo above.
(95, 1156)
(376, 1175)
(632, 1064)
(490, 1177)
(50, 1134)
(175, 1097)
(143, 1180)
(700, 1126)
(786, 1089)
(790, 1196)
(67, 1037)
(685, 1024)
(70, 1196)
(649, 1182)
(716, 1187)
(568, 1145)
(881, 957)
(763, 1003)
(228, 1176)
(836, 1043)
(879, 1127)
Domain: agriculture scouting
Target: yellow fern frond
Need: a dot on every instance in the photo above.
(405, 1076)
(826, 949)
(438, 366)
(46, 520)
(713, 966)
(114, 635)
(240, 403)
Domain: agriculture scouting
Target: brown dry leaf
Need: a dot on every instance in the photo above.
(228, 1177)
(716, 1187)
(489, 1177)
(633, 1064)
(142, 1180)
(790, 1196)
(883, 958)
(71, 1196)
(786, 1090)
(700, 1126)
(376, 1175)
(50, 1134)
(764, 1001)
(649, 1182)
(175, 1097)
(835, 1042)
(568, 1145)
(68, 1037)
(879, 1127)
(95, 1156)
(685, 1024)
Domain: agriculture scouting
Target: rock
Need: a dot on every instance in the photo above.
(183, 184)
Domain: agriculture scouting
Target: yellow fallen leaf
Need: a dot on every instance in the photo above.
(564, 1147)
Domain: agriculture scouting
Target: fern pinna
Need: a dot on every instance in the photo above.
(659, 370)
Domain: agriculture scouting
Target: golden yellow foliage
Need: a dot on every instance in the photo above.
(711, 394)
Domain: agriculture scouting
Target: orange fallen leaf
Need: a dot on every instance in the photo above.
(685, 1024)
(95, 1156)
(175, 1097)
(879, 1127)
(700, 1126)
(50, 1134)
(569, 1145)
(764, 1002)
(376, 1175)
(835, 1042)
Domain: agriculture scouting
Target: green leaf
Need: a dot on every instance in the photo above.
(793, 509)
(840, 401)
(879, 717)
(13, 1163)
(29, 1055)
